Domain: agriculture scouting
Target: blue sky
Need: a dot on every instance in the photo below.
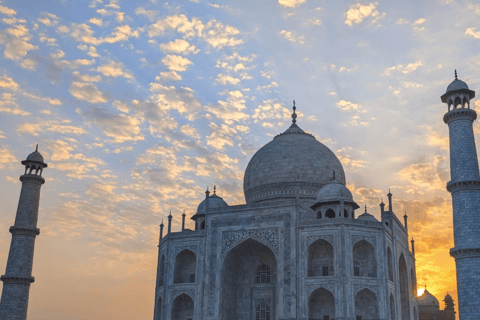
(138, 106)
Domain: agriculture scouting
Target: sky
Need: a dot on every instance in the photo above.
(138, 106)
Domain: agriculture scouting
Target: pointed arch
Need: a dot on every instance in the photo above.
(159, 310)
(182, 307)
(320, 259)
(185, 265)
(389, 264)
(265, 243)
(239, 290)
(366, 305)
(345, 213)
(321, 304)
(404, 296)
(392, 307)
(330, 213)
(413, 280)
(364, 260)
(161, 271)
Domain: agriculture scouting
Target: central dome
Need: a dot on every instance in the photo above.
(293, 162)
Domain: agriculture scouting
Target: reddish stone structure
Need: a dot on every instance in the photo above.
(429, 308)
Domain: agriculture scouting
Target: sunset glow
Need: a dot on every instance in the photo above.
(138, 106)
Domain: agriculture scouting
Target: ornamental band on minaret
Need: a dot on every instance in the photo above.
(465, 189)
(18, 274)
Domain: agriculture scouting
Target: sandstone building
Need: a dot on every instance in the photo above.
(429, 308)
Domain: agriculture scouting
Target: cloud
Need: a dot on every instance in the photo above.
(347, 105)
(120, 127)
(17, 45)
(419, 21)
(48, 19)
(291, 3)
(473, 33)
(181, 99)
(6, 157)
(87, 92)
(225, 79)
(219, 36)
(177, 22)
(270, 112)
(190, 131)
(8, 104)
(63, 127)
(7, 11)
(176, 63)
(402, 21)
(179, 46)
(170, 75)
(83, 33)
(96, 21)
(221, 136)
(122, 33)
(292, 37)
(115, 69)
(8, 83)
(150, 14)
(359, 12)
(230, 110)
(86, 77)
(403, 69)
(427, 175)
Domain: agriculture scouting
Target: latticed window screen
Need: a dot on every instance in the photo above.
(263, 274)
(326, 317)
(325, 271)
(262, 311)
(356, 272)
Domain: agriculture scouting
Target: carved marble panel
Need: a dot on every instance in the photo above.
(370, 239)
(193, 248)
(188, 291)
(314, 286)
(268, 236)
(326, 237)
(372, 287)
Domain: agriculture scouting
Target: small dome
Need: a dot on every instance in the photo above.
(35, 156)
(456, 85)
(334, 191)
(367, 216)
(428, 300)
(448, 297)
(214, 201)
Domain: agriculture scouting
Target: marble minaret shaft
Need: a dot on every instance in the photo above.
(18, 274)
(465, 189)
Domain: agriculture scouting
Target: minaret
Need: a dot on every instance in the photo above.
(18, 274)
(465, 189)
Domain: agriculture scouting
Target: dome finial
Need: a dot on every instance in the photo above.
(456, 74)
(333, 175)
(365, 208)
(207, 193)
(36, 147)
(214, 189)
(294, 115)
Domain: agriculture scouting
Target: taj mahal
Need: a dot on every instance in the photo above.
(299, 248)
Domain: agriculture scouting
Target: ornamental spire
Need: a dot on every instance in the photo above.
(456, 74)
(36, 147)
(294, 115)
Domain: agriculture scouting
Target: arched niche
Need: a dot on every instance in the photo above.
(389, 264)
(248, 277)
(330, 213)
(404, 297)
(392, 307)
(366, 305)
(185, 264)
(182, 307)
(320, 259)
(414, 282)
(161, 271)
(262, 311)
(364, 260)
(159, 310)
(321, 304)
